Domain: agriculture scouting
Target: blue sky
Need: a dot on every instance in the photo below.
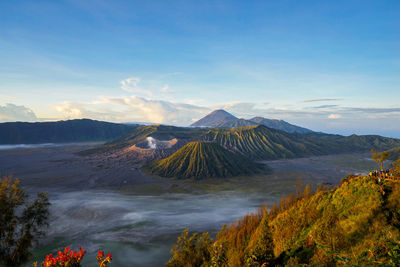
(327, 65)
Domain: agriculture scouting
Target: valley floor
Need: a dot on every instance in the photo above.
(115, 206)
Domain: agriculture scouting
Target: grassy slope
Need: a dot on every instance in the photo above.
(351, 224)
(203, 160)
(261, 142)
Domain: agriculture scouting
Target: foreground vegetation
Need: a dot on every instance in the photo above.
(23, 223)
(354, 224)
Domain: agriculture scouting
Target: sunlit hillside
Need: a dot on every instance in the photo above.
(354, 224)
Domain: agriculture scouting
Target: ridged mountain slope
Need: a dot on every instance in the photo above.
(261, 142)
(199, 160)
(257, 142)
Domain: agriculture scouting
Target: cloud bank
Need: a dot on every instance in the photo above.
(133, 109)
(11, 112)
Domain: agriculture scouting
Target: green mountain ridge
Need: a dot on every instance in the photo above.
(256, 142)
(261, 142)
(203, 160)
(80, 130)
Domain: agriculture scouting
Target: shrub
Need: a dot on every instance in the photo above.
(21, 223)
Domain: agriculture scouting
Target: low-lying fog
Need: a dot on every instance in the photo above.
(139, 230)
(137, 217)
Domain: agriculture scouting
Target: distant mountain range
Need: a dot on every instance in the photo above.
(256, 142)
(199, 160)
(199, 152)
(60, 131)
(222, 119)
(208, 152)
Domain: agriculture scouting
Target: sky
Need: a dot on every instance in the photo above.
(331, 66)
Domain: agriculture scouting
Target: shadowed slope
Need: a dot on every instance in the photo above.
(81, 130)
(280, 125)
(202, 160)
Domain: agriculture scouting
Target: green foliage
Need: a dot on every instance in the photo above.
(379, 158)
(354, 224)
(261, 247)
(20, 222)
(203, 160)
(60, 131)
(191, 251)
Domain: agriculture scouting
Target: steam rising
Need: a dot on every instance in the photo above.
(151, 142)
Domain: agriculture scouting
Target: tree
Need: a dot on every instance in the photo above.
(260, 251)
(379, 158)
(20, 222)
(194, 251)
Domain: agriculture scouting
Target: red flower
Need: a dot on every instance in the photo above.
(101, 254)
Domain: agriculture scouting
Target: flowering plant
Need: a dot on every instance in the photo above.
(103, 261)
(70, 258)
(65, 258)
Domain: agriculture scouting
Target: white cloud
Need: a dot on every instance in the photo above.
(11, 112)
(132, 85)
(133, 109)
(343, 120)
(166, 90)
(334, 116)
